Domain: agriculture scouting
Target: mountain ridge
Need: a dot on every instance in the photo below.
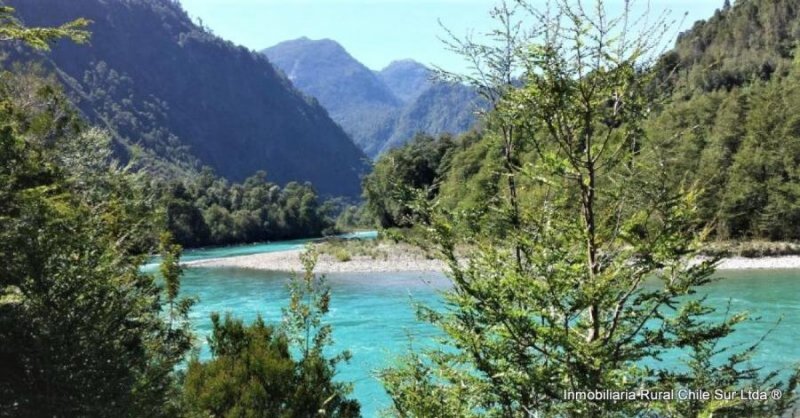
(148, 65)
(379, 109)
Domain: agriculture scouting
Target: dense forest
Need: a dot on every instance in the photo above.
(207, 210)
(730, 126)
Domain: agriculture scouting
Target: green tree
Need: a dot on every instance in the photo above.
(82, 329)
(599, 276)
(717, 158)
(253, 373)
(418, 165)
(309, 302)
(171, 272)
(185, 221)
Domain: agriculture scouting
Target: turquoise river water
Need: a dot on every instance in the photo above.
(373, 314)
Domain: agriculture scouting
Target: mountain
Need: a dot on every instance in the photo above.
(353, 95)
(380, 109)
(440, 108)
(407, 79)
(325, 69)
(179, 95)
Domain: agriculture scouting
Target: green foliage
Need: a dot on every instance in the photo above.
(253, 373)
(210, 211)
(389, 188)
(342, 255)
(762, 195)
(82, 330)
(594, 277)
(729, 125)
(40, 38)
(753, 40)
(170, 268)
(741, 148)
(474, 175)
(309, 302)
(171, 271)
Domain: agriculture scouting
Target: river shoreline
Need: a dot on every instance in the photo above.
(398, 260)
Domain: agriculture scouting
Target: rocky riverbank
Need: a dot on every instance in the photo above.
(402, 258)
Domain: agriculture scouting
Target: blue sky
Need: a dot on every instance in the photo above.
(376, 32)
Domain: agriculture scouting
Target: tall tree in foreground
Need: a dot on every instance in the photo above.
(82, 331)
(597, 283)
(253, 372)
(81, 327)
(496, 64)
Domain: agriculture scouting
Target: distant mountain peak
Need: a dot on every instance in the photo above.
(305, 43)
(373, 107)
(404, 64)
(407, 78)
(352, 93)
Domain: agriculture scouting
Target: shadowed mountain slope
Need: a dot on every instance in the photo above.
(176, 92)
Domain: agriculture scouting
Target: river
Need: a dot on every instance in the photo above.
(373, 315)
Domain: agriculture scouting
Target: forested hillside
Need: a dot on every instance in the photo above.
(751, 40)
(380, 110)
(174, 94)
(85, 330)
(730, 126)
